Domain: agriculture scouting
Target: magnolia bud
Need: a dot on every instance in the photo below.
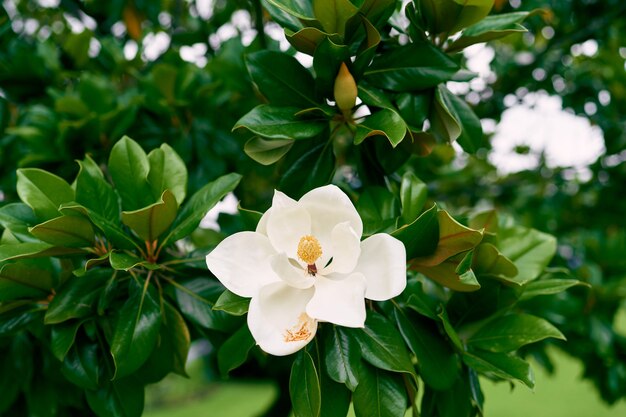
(345, 89)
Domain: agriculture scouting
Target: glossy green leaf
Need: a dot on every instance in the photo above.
(501, 365)
(119, 398)
(24, 280)
(304, 386)
(382, 345)
(530, 250)
(333, 14)
(450, 330)
(410, 67)
(454, 273)
(314, 168)
(385, 122)
(81, 365)
(33, 250)
(489, 261)
(94, 192)
(471, 12)
(306, 40)
(419, 301)
(136, 330)
(167, 172)
(413, 193)
(124, 261)
(379, 394)
(43, 192)
(196, 298)
(378, 208)
(267, 152)
(301, 9)
(421, 236)
(77, 296)
(18, 318)
(342, 357)
(281, 79)
(128, 166)
(548, 287)
(232, 304)
(367, 49)
(414, 108)
(68, 231)
(510, 332)
(327, 60)
(455, 120)
(151, 222)
(62, 338)
(280, 123)
(192, 213)
(436, 360)
(18, 218)
(454, 238)
(488, 29)
(335, 397)
(234, 352)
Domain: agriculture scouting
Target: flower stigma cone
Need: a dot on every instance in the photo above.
(306, 264)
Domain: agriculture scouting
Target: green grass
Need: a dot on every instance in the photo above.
(561, 395)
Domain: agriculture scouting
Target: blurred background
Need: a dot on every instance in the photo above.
(77, 75)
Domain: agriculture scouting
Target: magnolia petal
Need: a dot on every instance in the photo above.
(383, 263)
(278, 321)
(289, 273)
(241, 262)
(345, 248)
(286, 224)
(340, 302)
(328, 207)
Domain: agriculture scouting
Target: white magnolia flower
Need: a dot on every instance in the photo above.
(306, 263)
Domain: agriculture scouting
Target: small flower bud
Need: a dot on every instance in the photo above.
(345, 89)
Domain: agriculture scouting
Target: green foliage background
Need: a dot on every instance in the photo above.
(88, 318)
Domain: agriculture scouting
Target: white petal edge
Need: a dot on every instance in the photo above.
(277, 310)
(241, 262)
(340, 302)
(345, 249)
(286, 224)
(295, 276)
(328, 207)
(383, 263)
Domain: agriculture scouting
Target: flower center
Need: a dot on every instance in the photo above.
(309, 251)
(300, 331)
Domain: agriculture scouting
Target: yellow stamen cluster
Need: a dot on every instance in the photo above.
(300, 331)
(309, 249)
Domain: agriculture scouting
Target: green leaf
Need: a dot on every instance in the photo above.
(530, 250)
(378, 208)
(304, 386)
(341, 357)
(508, 333)
(313, 169)
(62, 338)
(167, 172)
(454, 273)
(410, 67)
(196, 298)
(436, 360)
(384, 122)
(454, 238)
(419, 301)
(68, 231)
(128, 166)
(302, 9)
(335, 397)
(383, 346)
(280, 123)
(33, 250)
(548, 287)
(23, 280)
(198, 205)
(327, 60)
(137, 329)
(489, 261)
(18, 318)
(232, 304)
(281, 79)
(267, 152)
(333, 14)
(450, 330)
(43, 192)
(124, 261)
(367, 49)
(151, 222)
(94, 192)
(18, 218)
(77, 296)
(455, 120)
(379, 394)
(489, 29)
(234, 352)
(421, 236)
(501, 365)
(471, 12)
(306, 40)
(413, 193)
(80, 365)
(119, 398)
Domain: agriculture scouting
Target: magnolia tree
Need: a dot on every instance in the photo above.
(353, 287)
